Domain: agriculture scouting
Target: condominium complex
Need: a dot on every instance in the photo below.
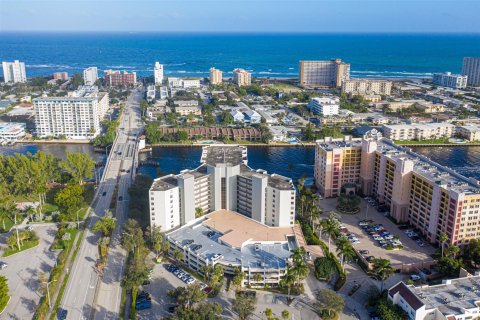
(183, 83)
(432, 198)
(418, 131)
(367, 87)
(12, 131)
(60, 76)
(329, 73)
(222, 181)
(77, 116)
(114, 78)
(453, 299)
(90, 76)
(215, 76)
(325, 106)
(242, 77)
(469, 131)
(448, 79)
(233, 241)
(14, 72)
(158, 73)
(471, 69)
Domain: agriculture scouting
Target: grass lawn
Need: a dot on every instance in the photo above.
(64, 244)
(26, 245)
(8, 225)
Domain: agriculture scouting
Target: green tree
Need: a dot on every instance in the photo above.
(4, 291)
(188, 297)
(79, 166)
(382, 269)
(328, 300)
(132, 237)
(387, 311)
(268, 313)
(152, 134)
(238, 278)
(155, 238)
(330, 227)
(325, 268)
(105, 225)
(178, 255)
(288, 281)
(70, 199)
(198, 212)
(345, 250)
(286, 314)
(244, 305)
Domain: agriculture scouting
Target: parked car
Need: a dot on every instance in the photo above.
(3, 265)
(29, 228)
(143, 305)
(104, 193)
(415, 277)
(364, 252)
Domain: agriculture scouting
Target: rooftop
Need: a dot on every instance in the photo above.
(450, 297)
(219, 154)
(236, 237)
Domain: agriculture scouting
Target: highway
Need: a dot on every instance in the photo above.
(85, 286)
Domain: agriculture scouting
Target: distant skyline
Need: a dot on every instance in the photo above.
(382, 16)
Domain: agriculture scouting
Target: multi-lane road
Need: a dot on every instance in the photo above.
(88, 295)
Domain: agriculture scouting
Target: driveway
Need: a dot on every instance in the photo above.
(22, 274)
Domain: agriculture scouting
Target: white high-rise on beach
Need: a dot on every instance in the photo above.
(14, 71)
(90, 76)
(158, 73)
(448, 79)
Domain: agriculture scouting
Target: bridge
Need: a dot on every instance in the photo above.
(89, 295)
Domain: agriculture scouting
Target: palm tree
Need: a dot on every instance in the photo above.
(257, 277)
(288, 281)
(442, 238)
(330, 227)
(178, 255)
(345, 249)
(383, 269)
(452, 250)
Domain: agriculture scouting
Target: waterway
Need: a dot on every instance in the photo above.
(294, 162)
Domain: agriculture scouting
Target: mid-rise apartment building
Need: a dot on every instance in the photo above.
(215, 76)
(115, 78)
(14, 72)
(183, 83)
(432, 198)
(325, 106)
(367, 87)
(419, 131)
(329, 73)
(453, 299)
(469, 131)
(90, 76)
(448, 79)
(158, 73)
(242, 77)
(222, 181)
(77, 116)
(471, 69)
(60, 76)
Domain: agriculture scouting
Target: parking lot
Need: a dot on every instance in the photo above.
(22, 273)
(411, 252)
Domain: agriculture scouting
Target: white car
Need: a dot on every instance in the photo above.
(3, 265)
(414, 277)
(29, 228)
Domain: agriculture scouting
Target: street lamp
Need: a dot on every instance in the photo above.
(78, 222)
(48, 293)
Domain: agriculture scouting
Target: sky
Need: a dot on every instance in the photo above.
(384, 16)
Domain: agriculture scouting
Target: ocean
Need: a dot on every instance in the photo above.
(265, 55)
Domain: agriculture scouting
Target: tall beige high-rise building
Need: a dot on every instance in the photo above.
(471, 69)
(241, 77)
(215, 76)
(330, 73)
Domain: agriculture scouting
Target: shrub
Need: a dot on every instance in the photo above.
(324, 268)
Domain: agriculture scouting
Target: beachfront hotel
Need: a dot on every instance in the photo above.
(367, 87)
(447, 79)
(431, 197)
(90, 76)
(330, 73)
(14, 72)
(77, 116)
(158, 73)
(242, 77)
(471, 69)
(215, 76)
